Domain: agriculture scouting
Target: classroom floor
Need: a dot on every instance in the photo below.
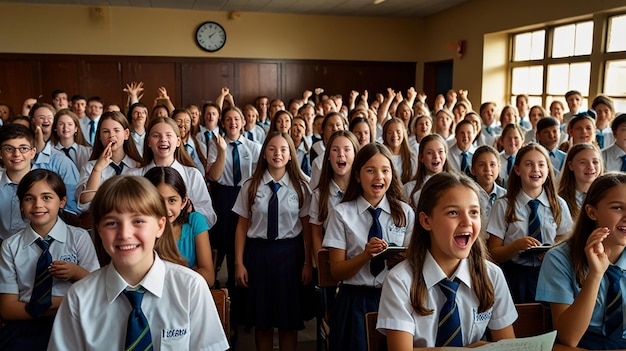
(245, 342)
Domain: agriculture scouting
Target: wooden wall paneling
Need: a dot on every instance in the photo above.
(154, 73)
(203, 81)
(257, 79)
(58, 74)
(104, 79)
(338, 77)
(298, 77)
(18, 82)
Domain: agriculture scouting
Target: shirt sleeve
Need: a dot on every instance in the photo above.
(87, 257)
(207, 332)
(503, 312)
(395, 310)
(66, 331)
(556, 279)
(8, 274)
(567, 223)
(496, 225)
(198, 223)
(200, 194)
(314, 211)
(335, 236)
(241, 204)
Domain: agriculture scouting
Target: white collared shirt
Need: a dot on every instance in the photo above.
(334, 198)
(177, 304)
(249, 152)
(85, 128)
(197, 190)
(485, 202)
(316, 171)
(396, 312)
(509, 232)
(289, 209)
(79, 154)
(11, 220)
(139, 141)
(504, 159)
(397, 164)
(107, 172)
(454, 157)
(20, 253)
(348, 229)
(612, 157)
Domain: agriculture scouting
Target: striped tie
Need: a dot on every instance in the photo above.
(613, 316)
(449, 332)
(534, 223)
(41, 297)
(138, 336)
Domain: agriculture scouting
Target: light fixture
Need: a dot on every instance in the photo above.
(377, 2)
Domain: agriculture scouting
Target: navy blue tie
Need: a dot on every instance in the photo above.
(138, 336)
(208, 135)
(118, 169)
(236, 162)
(41, 297)
(534, 222)
(623, 169)
(250, 135)
(272, 212)
(306, 165)
(377, 265)
(489, 130)
(600, 139)
(66, 151)
(449, 328)
(492, 199)
(613, 316)
(465, 163)
(509, 164)
(92, 131)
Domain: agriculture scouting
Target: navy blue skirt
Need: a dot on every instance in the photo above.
(275, 283)
(593, 341)
(522, 281)
(31, 335)
(347, 318)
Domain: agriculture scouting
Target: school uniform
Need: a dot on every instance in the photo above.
(205, 136)
(127, 165)
(11, 220)
(414, 145)
(335, 194)
(408, 189)
(304, 158)
(196, 188)
(530, 136)
(486, 202)
(138, 139)
(396, 311)
(317, 150)
(316, 172)
(196, 224)
(557, 158)
(19, 256)
(79, 154)
(522, 272)
(455, 155)
(224, 193)
(524, 122)
(557, 284)
(348, 228)
(194, 150)
(506, 166)
(489, 134)
(177, 304)
(56, 161)
(265, 124)
(274, 266)
(89, 129)
(614, 158)
(605, 137)
(256, 134)
(397, 164)
(450, 140)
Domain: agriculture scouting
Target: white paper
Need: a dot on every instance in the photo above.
(543, 342)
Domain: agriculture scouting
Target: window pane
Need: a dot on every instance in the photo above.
(563, 43)
(615, 78)
(573, 39)
(620, 105)
(527, 80)
(529, 46)
(616, 39)
(584, 38)
(565, 77)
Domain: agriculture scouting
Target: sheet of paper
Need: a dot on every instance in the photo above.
(542, 342)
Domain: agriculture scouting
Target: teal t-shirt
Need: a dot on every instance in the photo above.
(187, 243)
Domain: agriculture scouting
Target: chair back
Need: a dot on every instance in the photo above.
(375, 340)
(533, 319)
(325, 278)
(222, 303)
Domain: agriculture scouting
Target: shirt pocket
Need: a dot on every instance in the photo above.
(395, 235)
(175, 339)
(480, 321)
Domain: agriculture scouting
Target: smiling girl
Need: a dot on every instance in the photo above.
(531, 214)
(583, 165)
(446, 248)
(68, 138)
(396, 139)
(432, 159)
(373, 203)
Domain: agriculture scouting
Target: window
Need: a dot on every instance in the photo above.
(547, 63)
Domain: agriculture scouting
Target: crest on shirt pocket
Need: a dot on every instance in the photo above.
(69, 258)
(396, 235)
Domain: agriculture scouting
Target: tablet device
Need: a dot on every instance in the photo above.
(536, 250)
(390, 251)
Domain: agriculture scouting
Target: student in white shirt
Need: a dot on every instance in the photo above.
(511, 141)
(432, 159)
(446, 248)
(130, 222)
(615, 155)
(583, 165)
(605, 113)
(461, 153)
(27, 310)
(486, 170)
(68, 138)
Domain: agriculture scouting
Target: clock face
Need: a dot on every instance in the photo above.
(210, 36)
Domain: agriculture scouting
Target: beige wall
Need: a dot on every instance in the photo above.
(483, 25)
(167, 32)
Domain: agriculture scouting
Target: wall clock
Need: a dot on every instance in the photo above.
(210, 36)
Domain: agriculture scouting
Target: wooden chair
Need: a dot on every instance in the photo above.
(328, 288)
(533, 319)
(375, 340)
(222, 303)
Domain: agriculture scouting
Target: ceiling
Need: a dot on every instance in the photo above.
(388, 8)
